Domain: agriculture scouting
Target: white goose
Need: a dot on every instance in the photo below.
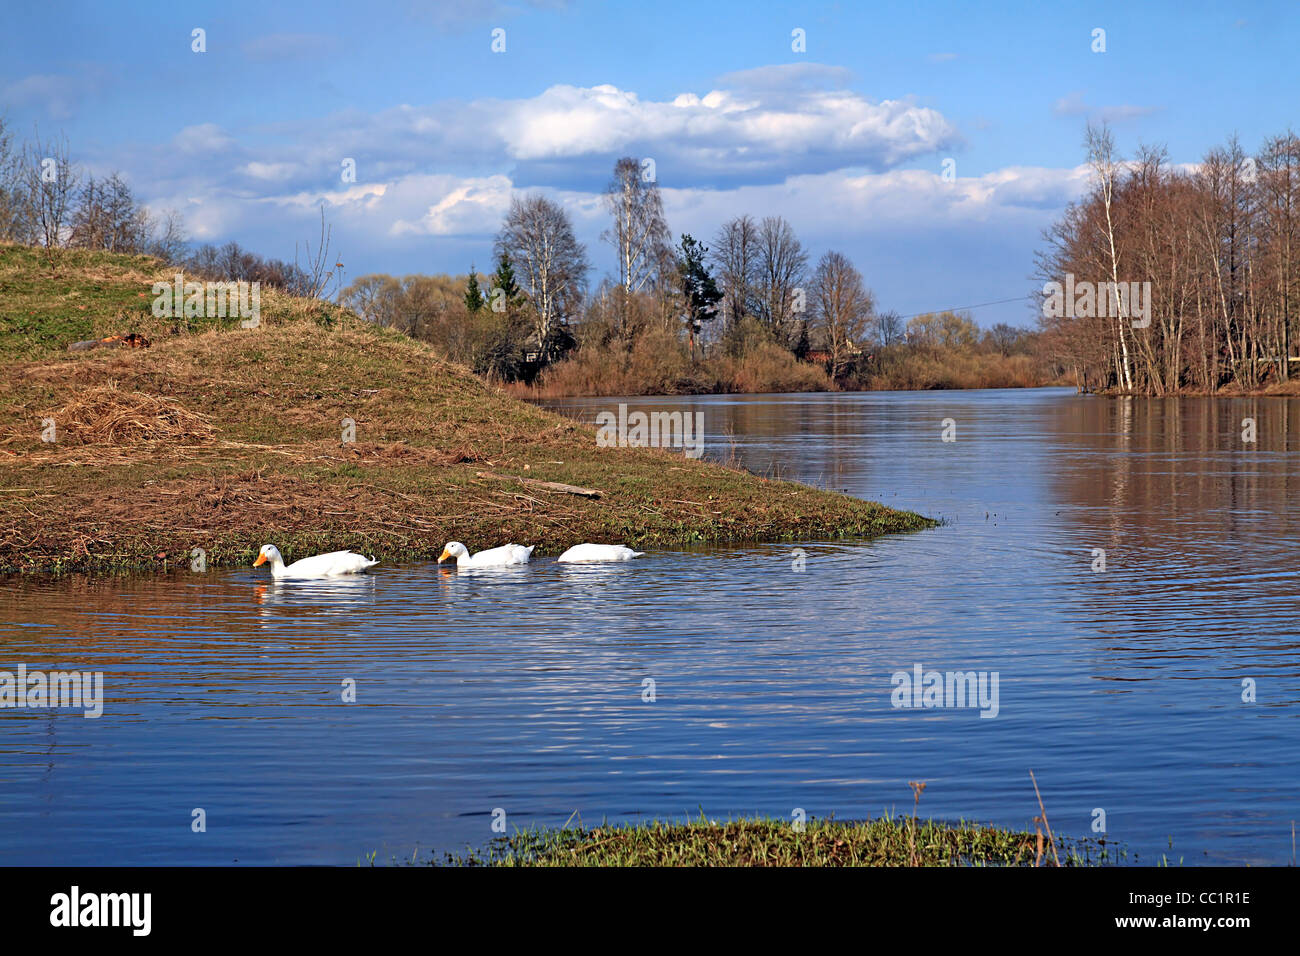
(504, 556)
(591, 553)
(317, 566)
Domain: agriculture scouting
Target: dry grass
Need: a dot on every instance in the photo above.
(902, 368)
(106, 415)
(229, 438)
(658, 365)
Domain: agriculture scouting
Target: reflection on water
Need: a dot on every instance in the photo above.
(524, 688)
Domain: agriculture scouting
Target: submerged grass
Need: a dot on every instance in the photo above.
(224, 439)
(884, 841)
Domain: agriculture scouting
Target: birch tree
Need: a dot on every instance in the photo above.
(1101, 157)
(538, 240)
(639, 232)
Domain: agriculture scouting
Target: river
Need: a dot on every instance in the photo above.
(1152, 688)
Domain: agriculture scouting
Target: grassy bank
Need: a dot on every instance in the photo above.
(888, 841)
(224, 438)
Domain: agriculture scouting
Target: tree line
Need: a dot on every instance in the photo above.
(753, 294)
(738, 313)
(1215, 246)
(48, 200)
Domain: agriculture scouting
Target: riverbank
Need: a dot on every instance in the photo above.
(1287, 389)
(668, 370)
(315, 432)
(886, 841)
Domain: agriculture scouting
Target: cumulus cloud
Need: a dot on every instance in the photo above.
(884, 203)
(422, 206)
(767, 125)
(447, 206)
(752, 133)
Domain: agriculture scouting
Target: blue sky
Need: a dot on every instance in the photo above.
(847, 140)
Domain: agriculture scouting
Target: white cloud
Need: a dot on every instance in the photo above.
(568, 136)
(448, 206)
(723, 130)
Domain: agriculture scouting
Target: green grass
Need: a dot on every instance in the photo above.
(259, 456)
(43, 308)
(885, 841)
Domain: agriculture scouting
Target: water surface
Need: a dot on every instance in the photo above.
(525, 690)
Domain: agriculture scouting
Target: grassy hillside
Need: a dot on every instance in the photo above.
(225, 438)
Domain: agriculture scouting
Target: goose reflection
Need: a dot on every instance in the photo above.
(337, 595)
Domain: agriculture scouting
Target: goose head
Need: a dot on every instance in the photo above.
(453, 550)
(270, 553)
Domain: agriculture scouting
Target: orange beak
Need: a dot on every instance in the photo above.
(444, 556)
(261, 560)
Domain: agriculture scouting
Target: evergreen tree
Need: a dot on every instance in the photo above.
(699, 289)
(504, 287)
(473, 295)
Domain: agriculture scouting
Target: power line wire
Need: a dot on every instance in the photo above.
(962, 308)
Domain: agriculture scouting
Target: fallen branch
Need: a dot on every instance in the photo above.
(548, 485)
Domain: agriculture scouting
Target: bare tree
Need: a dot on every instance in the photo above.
(107, 217)
(376, 298)
(1279, 180)
(50, 180)
(165, 236)
(735, 256)
(842, 307)
(538, 239)
(889, 328)
(1004, 338)
(781, 264)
